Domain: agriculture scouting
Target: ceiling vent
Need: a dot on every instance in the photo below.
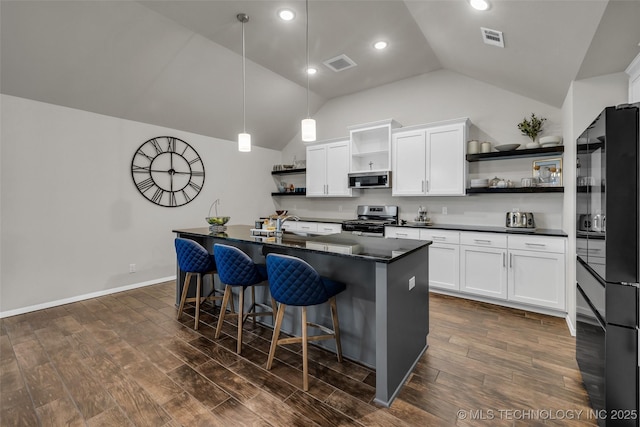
(492, 37)
(340, 63)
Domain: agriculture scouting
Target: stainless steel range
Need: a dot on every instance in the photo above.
(371, 220)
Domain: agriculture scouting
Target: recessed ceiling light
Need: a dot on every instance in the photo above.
(380, 45)
(479, 4)
(311, 71)
(286, 14)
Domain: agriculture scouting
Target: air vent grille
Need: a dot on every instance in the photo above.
(340, 63)
(492, 37)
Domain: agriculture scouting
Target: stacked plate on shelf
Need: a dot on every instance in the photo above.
(480, 183)
(550, 141)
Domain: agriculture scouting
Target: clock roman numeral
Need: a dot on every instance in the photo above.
(171, 145)
(195, 186)
(197, 159)
(156, 145)
(145, 185)
(141, 169)
(142, 153)
(157, 196)
(197, 173)
(186, 196)
(172, 199)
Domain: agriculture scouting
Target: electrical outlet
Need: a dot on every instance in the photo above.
(132, 268)
(444, 210)
(412, 282)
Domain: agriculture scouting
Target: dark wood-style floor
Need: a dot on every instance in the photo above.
(123, 360)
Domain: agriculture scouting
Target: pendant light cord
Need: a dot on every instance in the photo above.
(244, 96)
(307, 43)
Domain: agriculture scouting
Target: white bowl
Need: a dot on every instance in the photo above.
(550, 139)
(507, 147)
(532, 145)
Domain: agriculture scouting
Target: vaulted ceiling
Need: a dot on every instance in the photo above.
(178, 63)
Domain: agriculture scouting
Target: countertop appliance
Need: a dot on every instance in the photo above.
(516, 219)
(372, 220)
(379, 179)
(607, 269)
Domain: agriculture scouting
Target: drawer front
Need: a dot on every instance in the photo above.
(490, 240)
(537, 243)
(402, 233)
(327, 228)
(441, 236)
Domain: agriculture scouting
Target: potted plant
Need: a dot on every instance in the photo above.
(533, 127)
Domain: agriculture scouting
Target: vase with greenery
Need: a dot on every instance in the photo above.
(533, 127)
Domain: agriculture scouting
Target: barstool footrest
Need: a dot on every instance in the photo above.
(294, 340)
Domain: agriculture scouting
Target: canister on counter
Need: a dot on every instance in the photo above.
(258, 225)
(485, 147)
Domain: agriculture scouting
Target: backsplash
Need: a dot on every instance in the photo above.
(481, 209)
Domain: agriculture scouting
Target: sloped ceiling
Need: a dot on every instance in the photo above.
(178, 63)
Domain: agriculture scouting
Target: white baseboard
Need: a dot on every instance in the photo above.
(64, 301)
(572, 330)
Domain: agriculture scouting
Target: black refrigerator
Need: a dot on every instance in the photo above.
(607, 265)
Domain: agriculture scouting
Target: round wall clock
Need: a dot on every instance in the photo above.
(167, 171)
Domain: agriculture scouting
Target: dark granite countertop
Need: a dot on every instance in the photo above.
(349, 245)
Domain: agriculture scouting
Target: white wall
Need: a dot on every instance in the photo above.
(585, 100)
(72, 221)
(432, 97)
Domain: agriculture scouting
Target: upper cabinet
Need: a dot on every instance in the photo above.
(429, 160)
(370, 148)
(327, 169)
(634, 80)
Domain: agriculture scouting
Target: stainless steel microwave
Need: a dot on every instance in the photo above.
(380, 179)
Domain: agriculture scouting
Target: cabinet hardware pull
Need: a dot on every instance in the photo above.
(401, 234)
(423, 185)
(305, 228)
(510, 260)
(438, 238)
(535, 244)
(482, 241)
(427, 186)
(504, 261)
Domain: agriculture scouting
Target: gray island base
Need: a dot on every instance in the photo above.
(384, 312)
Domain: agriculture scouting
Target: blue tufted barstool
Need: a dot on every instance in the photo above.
(194, 259)
(235, 268)
(294, 282)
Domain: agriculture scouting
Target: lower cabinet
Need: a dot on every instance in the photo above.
(483, 258)
(526, 270)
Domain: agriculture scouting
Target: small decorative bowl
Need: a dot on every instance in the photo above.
(218, 220)
(507, 147)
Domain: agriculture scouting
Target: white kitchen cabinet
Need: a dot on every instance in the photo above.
(370, 146)
(634, 80)
(309, 227)
(327, 169)
(430, 160)
(483, 264)
(537, 271)
(444, 258)
(402, 233)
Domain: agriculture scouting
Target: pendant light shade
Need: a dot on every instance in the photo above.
(244, 139)
(244, 142)
(308, 129)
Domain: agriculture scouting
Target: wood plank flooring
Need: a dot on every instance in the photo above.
(123, 360)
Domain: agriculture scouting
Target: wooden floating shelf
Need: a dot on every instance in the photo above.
(516, 190)
(303, 193)
(530, 152)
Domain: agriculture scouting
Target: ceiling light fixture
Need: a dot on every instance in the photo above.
(311, 71)
(380, 45)
(286, 14)
(480, 4)
(244, 139)
(308, 125)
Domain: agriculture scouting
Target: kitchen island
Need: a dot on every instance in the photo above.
(384, 311)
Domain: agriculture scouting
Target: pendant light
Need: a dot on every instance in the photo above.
(308, 124)
(244, 139)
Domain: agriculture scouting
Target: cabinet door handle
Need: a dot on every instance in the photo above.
(540, 245)
(438, 238)
(401, 234)
(427, 186)
(510, 260)
(485, 242)
(423, 185)
(305, 227)
(504, 259)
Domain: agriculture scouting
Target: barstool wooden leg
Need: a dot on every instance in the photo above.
(305, 362)
(336, 326)
(223, 309)
(274, 309)
(276, 335)
(185, 291)
(198, 293)
(253, 303)
(240, 318)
